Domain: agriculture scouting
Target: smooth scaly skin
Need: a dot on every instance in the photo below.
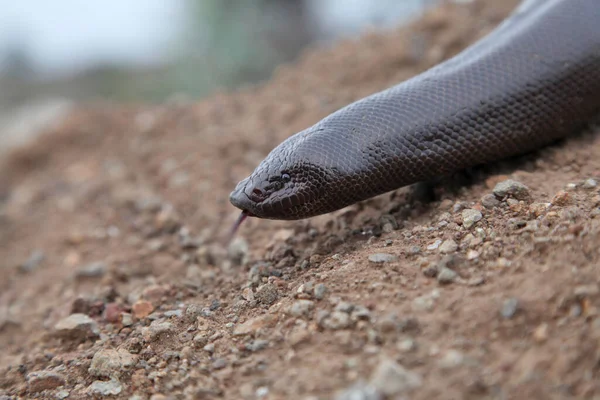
(535, 79)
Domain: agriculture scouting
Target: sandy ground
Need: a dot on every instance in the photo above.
(116, 282)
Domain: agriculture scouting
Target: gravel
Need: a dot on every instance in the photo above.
(392, 379)
(380, 258)
(509, 307)
(77, 327)
(512, 188)
(39, 381)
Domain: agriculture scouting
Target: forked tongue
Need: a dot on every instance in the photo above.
(244, 214)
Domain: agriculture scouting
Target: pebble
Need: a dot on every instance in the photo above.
(446, 276)
(302, 308)
(105, 388)
(589, 184)
(173, 313)
(434, 245)
(39, 381)
(254, 325)
(407, 345)
(511, 188)
(561, 198)
(448, 246)
(219, 363)
(586, 291)
(360, 391)
(470, 217)
(380, 258)
(156, 329)
(472, 255)
(110, 363)
(92, 270)
(209, 348)
(320, 291)
(33, 262)
(451, 359)
(142, 308)
(490, 201)
(257, 345)
(392, 379)
(425, 302)
(336, 320)
(238, 251)
(509, 307)
(540, 334)
(77, 327)
(126, 319)
(267, 294)
(539, 209)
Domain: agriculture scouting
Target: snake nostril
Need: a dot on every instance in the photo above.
(257, 195)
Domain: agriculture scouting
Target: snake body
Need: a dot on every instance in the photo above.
(531, 81)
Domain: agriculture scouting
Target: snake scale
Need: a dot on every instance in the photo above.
(532, 80)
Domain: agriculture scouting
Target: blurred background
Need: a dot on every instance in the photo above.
(54, 53)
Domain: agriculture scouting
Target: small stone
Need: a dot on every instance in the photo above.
(511, 188)
(111, 363)
(257, 345)
(470, 217)
(589, 184)
(219, 363)
(562, 198)
(33, 262)
(201, 339)
(105, 388)
(540, 334)
(173, 313)
(407, 345)
(126, 319)
(320, 291)
(336, 320)
(92, 270)
(472, 255)
(302, 308)
(424, 303)
(267, 294)
(112, 313)
(392, 379)
(539, 209)
(451, 359)
(238, 251)
(157, 329)
(209, 348)
(584, 291)
(154, 293)
(44, 380)
(490, 201)
(254, 325)
(380, 258)
(360, 391)
(414, 250)
(434, 245)
(448, 246)
(78, 327)
(446, 276)
(509, 307)
(142, 308)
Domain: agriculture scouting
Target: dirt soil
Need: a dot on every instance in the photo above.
(116, 282)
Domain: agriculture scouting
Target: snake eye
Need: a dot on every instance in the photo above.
(285, 177)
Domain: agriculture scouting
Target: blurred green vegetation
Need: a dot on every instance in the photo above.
(224, 43)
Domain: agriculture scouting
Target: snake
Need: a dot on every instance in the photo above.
(534, 79)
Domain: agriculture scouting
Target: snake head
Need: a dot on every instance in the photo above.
(288, 184)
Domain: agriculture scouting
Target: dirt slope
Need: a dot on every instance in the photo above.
(116, 283)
